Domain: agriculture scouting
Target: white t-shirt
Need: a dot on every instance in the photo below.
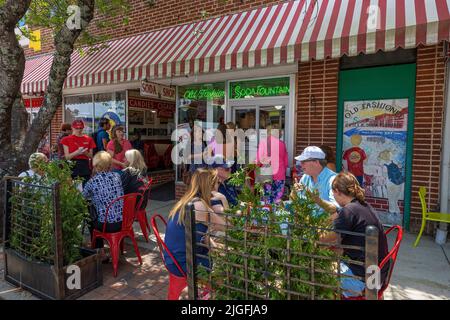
(29, 173)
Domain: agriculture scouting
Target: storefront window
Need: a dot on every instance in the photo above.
(91, 108)
(202, 104)
(80, 107)
(110, 105)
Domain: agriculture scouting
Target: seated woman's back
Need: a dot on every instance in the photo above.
(102, 189)
(200, 193)
(132, 180)
(134, 177)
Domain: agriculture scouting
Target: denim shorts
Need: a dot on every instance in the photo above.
(351, 287)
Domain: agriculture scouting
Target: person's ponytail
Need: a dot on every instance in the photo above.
(359, 194)
(347, 183)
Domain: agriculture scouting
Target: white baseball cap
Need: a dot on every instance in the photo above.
(311, 152)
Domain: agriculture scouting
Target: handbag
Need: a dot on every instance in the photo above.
(264, 172)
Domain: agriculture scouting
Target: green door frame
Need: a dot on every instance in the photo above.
(376, 83)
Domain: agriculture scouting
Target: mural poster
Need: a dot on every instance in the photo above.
(374, 150)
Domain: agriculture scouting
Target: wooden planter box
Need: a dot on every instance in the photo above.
(44, 281)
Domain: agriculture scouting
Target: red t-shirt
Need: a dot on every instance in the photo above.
(355, 160)
(126, 145)
(75, 142)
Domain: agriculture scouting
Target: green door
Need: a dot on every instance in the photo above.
(375, 136)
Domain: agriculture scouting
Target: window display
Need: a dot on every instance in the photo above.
(91, 108)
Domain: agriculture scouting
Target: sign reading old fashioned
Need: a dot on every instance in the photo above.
(163, 109)
(158, 91)
(374, 150)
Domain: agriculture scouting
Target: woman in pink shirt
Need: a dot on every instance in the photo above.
(272, 153)
(117, 148)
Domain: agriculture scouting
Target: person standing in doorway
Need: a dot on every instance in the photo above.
(78, 148)
(117, 148)
(272, 154)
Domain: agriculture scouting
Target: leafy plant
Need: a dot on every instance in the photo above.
(36, 238)
(272, 252)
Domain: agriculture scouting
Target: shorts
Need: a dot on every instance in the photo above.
(351, 287)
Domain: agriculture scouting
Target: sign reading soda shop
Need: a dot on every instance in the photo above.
(163, 109)
(155, 90)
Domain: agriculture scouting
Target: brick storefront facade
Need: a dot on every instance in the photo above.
(428, 129)
(317, 121)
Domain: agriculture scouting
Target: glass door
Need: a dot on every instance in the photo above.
(245, 119)
(275, 117)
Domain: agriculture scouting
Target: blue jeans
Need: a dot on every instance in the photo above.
(173, 269)
(356, 286)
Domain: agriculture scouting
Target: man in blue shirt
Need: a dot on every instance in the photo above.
(102, 134)
(223, 172)
(316, 180)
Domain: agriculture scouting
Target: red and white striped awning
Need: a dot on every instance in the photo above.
(279, 34)
(35, 75)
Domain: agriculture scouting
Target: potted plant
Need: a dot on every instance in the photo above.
(267, 251)
(43, 239)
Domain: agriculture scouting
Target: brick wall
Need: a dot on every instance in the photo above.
(180, 189)
(383, 204)
(428, 129)
(161, 177)
(46, 44)
(56, 125)
(164, 13)
(317, 101)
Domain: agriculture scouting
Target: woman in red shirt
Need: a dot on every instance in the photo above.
(117, 148)
(78, 148)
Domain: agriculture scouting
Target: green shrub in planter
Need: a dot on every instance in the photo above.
(264, 263)
(38, 201)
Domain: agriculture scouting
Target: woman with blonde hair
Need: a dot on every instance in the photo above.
(354, 216)
(134, 177)
(117, 148)
(101, 190)
(34, 162)
(207, 204)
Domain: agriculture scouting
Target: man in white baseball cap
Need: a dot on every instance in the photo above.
(316, 180)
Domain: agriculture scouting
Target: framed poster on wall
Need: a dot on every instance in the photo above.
(374, 150)
(135, 117)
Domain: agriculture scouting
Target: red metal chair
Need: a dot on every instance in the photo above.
(115, 240)
(141, 213)
(176, 284)
(392, 255)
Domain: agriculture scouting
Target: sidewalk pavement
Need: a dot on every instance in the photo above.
(420, 273)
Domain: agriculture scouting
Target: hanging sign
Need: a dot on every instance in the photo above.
(259, 88)
(204, 94)
(158, 91)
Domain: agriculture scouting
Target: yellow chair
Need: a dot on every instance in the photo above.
(431, 216)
